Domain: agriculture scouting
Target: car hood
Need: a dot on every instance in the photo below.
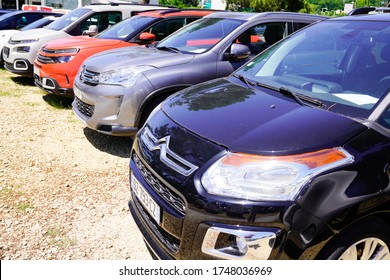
(132, 56)
(82, 42)
(254, 121)
(38, 33)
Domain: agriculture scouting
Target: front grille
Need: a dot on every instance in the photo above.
(165, 193)
(45, 59)
(89, 77)
(9, 66)
(84, 108)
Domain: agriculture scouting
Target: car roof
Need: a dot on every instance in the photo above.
(18, 12)
(365, 17)
(176, 12)
(252, 16)
(123, 6)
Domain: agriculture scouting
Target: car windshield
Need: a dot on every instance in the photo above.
(201, 35)
(127, 28)
(67, 19)
(38, 23)
(343, 64)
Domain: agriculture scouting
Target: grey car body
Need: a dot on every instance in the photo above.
(116, 90)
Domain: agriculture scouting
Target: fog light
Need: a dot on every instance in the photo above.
(241, 244)
(23, 49)
(238, 243)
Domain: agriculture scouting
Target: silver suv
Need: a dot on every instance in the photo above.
(22, 49)
(116, 90)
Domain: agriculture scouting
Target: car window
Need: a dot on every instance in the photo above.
(261, 36)
(101, 20)
(127, 28)
(164, 28)
(68, 19)
(345, 64)
(385, 118)
(201, 35)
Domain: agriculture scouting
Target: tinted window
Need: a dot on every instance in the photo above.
(164, 28)
(101, 20)
(201, 35)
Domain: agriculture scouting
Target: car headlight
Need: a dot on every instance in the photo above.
(275, 178)
(63, 59)
(26, 41)
(126, 77)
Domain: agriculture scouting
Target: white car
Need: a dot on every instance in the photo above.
(22, 49)
(5, 35)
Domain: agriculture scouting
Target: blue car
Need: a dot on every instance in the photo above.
(19, 19)
(286, 158)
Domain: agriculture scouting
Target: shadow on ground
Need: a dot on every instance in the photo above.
(57, 101)
(23, 81)
(114, 145)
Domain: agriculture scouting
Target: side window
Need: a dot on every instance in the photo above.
(166, 27)
(260, 37)
(101, 20)
(385, 118)
(32, 17)
(299, 25)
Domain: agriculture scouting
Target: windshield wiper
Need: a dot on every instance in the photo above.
(173, 49)
(245, 80)
(299, 98)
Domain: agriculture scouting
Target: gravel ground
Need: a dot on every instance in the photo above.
(63, 187)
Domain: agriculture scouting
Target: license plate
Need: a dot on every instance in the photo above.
(37, 71)
(145, 199)
(78, 93)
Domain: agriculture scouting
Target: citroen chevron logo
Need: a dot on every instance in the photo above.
(167, 156)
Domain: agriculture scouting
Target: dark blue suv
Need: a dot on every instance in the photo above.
(287, 158)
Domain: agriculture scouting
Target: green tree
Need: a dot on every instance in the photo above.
(266, 5)
(180, 3)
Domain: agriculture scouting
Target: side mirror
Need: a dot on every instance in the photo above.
(238, 52)
(147, 38)
(92, 31)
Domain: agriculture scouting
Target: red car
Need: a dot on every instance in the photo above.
(59, 61)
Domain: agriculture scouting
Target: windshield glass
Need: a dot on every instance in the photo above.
(38, 24)
(201, 35)
(345, 64)
(67, 19)
(127, 28)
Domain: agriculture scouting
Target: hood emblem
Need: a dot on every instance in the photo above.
(167, 156)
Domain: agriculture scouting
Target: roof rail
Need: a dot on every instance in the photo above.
(368, 10)
(113, 3)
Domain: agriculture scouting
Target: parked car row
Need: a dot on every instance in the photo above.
(22, 49)
(256, 135)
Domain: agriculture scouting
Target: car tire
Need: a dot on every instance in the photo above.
(366, 240)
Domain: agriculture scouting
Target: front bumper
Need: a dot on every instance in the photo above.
(17, 62)
(59, 84)
(108, 109)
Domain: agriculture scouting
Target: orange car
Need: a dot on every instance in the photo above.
(58, 61)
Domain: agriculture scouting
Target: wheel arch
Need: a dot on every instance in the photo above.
(153, 99)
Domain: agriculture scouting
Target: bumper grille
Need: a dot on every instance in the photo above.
(9, 66)
(89, 77)
(84, 108)
(45, 59)
(169, 197)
